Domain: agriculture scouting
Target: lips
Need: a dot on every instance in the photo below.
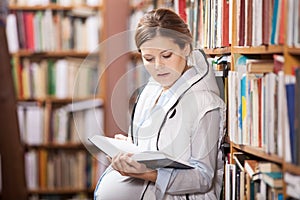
(163, 74)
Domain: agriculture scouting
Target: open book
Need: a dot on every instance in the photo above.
(152, 159)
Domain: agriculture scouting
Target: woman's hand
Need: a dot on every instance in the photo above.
(121, 137)
(126, 166)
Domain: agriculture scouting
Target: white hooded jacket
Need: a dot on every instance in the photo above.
(186, 122)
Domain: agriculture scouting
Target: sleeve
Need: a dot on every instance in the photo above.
(204, 157)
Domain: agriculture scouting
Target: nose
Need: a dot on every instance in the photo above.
(158, 63)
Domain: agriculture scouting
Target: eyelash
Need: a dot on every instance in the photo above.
(167, 56)
(164, 56)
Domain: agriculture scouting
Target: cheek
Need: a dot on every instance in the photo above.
(178, 65)
(150, 68)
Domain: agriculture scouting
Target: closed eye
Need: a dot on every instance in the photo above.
(148, 59)
(168, 55)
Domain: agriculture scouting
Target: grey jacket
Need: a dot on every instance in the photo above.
(187, 122)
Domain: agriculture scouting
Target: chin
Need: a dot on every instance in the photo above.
(166, 86)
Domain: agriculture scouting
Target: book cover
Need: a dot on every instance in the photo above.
(274, 25)
(251, 167)
(297, 116)
(249, 23)
(152, 159)
(282, 23)
(290, 93)
(268, 167)
(225, 23)
(260, 66)
(273, 179)
(241, 36)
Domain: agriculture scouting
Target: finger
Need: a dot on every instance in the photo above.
(116, 162)
(109, 159)
(124, 163)
(120, 137)
(119, 162)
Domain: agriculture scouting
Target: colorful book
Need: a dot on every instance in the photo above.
(273, 179)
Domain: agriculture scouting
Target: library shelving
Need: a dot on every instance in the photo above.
(56, 65)
(218, 51)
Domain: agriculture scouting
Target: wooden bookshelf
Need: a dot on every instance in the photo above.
(54, 54)
(46, 150)
(294, 169)
(54, 146)
(53, 99)
(293, 51)
(257, 152)
(61, 191)
(258, 50)
(53, 6)
(218, 51)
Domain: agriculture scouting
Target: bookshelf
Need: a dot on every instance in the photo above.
(258, 50)
(218, 51)
(256, 151)
(58, 162)
(290, 54)
(53, 6)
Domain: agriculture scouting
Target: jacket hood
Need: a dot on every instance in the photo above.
(205, 72)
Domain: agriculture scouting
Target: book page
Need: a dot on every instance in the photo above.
(152, 159)
(112, 147)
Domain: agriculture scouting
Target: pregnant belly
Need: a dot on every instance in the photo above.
(114, 186)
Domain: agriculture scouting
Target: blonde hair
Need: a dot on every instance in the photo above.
(163, 22)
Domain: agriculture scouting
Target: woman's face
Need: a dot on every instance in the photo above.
(164, 60)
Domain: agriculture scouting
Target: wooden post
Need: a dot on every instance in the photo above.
(11, 149)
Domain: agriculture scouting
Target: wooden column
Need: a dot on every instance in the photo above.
(116, 15)
(11, 149)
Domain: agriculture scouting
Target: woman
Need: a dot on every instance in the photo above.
(178, 112)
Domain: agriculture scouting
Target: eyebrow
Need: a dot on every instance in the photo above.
(159, 53)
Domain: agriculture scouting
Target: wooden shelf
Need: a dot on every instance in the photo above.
(292, 168)
(60, 191)
(218, 51)
(258, 50)
(293, 50)
(56, 146)
(52, 99)
(258, 152)
(53, 7)
(27, 53)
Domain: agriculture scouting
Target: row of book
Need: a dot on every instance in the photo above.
(252, 179)
(293, 21)
(72, 123)
(262, 103)
(260, 22)
(61, 78)
(248, 178)
(61, 170)
(56, 2)
(208, 20)
(210, 23)
(257, 22)
(44, 31)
